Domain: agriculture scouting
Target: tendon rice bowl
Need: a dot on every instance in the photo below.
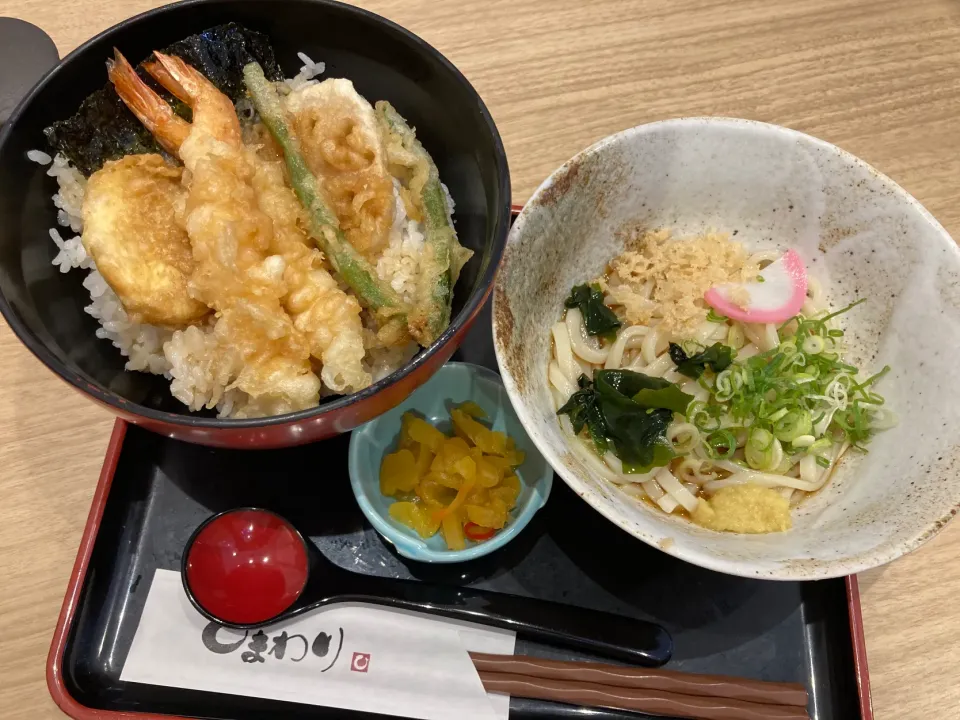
(184, 356)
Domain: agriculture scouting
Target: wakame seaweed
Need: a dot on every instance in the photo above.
(598, 319)
(583, 408)
(104, 129)
(717, 356)
(630, 410)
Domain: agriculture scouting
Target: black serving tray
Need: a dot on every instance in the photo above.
(155, 491)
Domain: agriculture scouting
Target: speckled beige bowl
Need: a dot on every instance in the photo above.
(860, 234)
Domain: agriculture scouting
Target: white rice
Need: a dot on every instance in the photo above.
(72, 254)
(39, 156)
(449, 201)
(400, 262)
(156, 350)
(307, 74)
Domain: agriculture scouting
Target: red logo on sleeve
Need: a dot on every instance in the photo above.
(360, 662)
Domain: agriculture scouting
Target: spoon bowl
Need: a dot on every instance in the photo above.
(246, 565)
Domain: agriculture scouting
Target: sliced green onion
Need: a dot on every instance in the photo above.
(784, 467)
(846, 381)
(721, 445)
(723, 385)
(841, 311)
(820, 446)
(787, 347)
(794, 393)
(822, 461)
(793, 424)
(713, 317)
(706, 418)
(683, 437)
(760, 440)
(763, 451)
(813, 345)
(735, 337)
(691, 347)
(782, 412)
(873, 378)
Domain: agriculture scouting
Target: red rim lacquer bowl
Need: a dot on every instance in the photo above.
(45, 308)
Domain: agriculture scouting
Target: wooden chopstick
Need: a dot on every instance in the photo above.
(676, 705)
(664, 692)
(672, 681)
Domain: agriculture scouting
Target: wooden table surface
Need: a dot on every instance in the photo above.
(880, 78)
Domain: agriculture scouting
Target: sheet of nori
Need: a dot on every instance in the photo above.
(104, 129)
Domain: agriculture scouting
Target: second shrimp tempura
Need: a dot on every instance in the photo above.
(328, 317)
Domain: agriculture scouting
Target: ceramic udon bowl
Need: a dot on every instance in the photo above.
(860, 234)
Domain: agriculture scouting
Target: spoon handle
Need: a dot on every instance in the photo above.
(613, 636)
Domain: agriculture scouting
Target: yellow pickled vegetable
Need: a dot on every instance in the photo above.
(415, 517)
(453, 532)
(513, 482)
(489, 441)
(398, 473)
(453, 449)
(488, 474)
(403, 511)
(459, 500)
(406, 442)
(434, 494)
(423, 432)
(472, 409)
(489, 517)
(424, 458)
(514, 458)
(507, 491)
(501, 464)
(463, 485)
(466, 468)
(504, 495)
(448, 480)
(478, 496)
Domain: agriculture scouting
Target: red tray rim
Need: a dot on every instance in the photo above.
(69, 704)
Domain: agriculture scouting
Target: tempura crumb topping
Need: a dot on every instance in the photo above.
(666, 279)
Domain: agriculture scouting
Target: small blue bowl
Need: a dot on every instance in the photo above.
(453, 384)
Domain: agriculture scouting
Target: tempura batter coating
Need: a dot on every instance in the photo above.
(341, 143)
(320, 309)
(132, 232)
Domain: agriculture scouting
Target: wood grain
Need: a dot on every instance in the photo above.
(880, 78)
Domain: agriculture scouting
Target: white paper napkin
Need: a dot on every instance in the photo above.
(352, 656)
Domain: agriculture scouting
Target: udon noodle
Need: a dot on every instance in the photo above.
(776, 448)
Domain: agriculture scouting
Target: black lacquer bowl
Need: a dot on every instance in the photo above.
(384, 61)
